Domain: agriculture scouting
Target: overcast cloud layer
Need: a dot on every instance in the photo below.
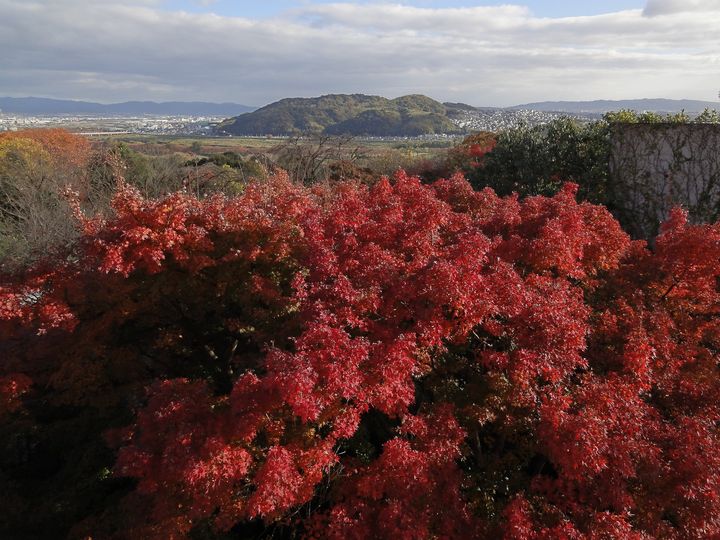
(107, 51)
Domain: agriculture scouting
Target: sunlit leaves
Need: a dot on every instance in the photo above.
(394, 360)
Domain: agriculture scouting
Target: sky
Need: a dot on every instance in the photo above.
(252, 52)
(540, 8)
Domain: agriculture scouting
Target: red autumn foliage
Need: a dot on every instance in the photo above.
(12, 387)
(470, 152)
(395, 361)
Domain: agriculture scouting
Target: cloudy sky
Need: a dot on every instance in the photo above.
(254, 52)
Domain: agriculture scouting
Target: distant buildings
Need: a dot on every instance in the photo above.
(159, 125)
(468, 120)
(499, 119)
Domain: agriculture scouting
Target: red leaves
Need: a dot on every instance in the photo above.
(32, 302)
(144, 234)
(402, 360)
(324, 369)
(602, 428)
(277, 481)
(559, 235)
(412, 491)
(12, 387)
(689, 255)
(470, 153)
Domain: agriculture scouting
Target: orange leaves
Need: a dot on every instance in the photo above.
(64, 148)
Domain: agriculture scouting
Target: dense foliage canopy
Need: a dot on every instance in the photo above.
(394, 361)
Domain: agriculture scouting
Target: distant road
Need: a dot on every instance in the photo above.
(94, 133)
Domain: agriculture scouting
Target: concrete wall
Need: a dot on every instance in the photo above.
(654, 167)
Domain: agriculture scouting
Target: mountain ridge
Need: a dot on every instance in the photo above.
(340, 114)
(36, 105)
(600, 106)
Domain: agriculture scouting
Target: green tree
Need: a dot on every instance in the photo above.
(536, 160)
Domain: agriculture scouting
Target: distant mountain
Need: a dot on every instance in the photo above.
(455, 107)
(351, 114)
(34, 105)
(640, 105)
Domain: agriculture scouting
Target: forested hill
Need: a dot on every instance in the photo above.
(351, 114)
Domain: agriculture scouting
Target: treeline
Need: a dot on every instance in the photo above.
(38, 166)
(39, 169)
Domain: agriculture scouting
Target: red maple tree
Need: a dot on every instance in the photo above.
(401, 360)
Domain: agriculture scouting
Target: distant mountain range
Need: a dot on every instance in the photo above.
(414, 115)
(351, 114)
(354, 114)
(603, 105)
(34, 105)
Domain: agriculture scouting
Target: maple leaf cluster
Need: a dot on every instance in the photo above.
(396, 360)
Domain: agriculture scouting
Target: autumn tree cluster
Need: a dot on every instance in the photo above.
(350, 361)
(37, 166)
(637, 165)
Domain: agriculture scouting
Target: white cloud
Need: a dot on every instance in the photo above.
(117, 50)
(670, 7)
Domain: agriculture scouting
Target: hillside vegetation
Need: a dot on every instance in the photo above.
(341, 114)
